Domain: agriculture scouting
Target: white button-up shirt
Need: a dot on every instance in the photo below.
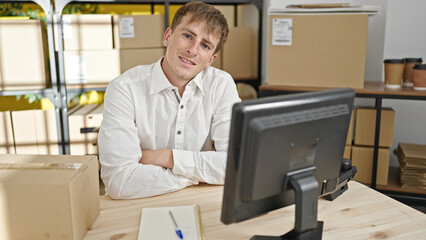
(143, 111)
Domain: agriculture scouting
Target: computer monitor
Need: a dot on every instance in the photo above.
(283, 150)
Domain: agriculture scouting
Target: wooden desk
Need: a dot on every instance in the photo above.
(360, 213)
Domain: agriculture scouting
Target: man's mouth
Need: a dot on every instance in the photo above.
(186, 61)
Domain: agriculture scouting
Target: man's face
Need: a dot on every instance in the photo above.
(190, 49)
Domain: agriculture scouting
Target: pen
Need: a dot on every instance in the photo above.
(177, 230)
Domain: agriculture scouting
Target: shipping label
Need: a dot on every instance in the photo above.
(282, 31)
(127, 27)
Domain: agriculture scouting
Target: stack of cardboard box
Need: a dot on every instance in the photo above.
(99, 47)
(84, 122)
(23, 54)
(28, 132)
(35, 132)
(363, 150)
(139, 39)
(412, 159)
(89, 57)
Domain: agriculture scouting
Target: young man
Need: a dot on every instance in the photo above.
(160, 120)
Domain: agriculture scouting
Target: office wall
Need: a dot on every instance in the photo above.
(406, 37)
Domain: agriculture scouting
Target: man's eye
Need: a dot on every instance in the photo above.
(205, 46)
(186, 35)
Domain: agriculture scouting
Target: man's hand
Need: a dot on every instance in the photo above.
(161, 157)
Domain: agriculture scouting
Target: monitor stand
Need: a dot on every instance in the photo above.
(306, 225)
(347, 172)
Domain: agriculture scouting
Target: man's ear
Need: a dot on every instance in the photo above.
(211, 60)
(166, 37)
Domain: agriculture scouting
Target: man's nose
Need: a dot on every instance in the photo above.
(193, 48)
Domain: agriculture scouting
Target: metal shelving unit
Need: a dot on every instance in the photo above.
(376, 91)
(51, 93)
(66, 94)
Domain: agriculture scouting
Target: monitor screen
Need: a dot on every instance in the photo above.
(273, 139)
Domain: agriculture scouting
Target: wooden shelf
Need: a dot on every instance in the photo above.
(394, 184)
(370, 88)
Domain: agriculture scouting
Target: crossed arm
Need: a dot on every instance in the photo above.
(162, 158)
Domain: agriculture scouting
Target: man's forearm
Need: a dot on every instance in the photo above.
(162, 158)
(200, 166)
(206, 166)
(137, 181)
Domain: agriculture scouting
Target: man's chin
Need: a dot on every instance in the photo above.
(187, 78)
(186, 75)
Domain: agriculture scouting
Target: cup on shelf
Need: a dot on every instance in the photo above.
(407, 79)
(394, 70)
(419, 77)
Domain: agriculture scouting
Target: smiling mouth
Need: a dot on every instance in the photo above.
(186, 61)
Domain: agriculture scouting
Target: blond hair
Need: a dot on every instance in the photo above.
(199, 11)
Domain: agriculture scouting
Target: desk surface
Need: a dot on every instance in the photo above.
(360, 213)
(370, 88)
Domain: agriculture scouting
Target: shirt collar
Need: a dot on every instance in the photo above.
(160, 82)
(198, 80)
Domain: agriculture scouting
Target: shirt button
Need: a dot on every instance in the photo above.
(181, 106)
(179, 132)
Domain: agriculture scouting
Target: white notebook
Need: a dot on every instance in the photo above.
(156, 223)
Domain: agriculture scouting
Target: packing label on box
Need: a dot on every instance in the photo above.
(76, 69)
(282, 31)
(127, 27)
(66, 27)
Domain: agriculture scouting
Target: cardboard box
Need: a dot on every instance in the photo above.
(362, 158)
(23, 55)
(91, 66)
(348, 152)
(412, 160)
(84, 122)
(47, 197)
(317, 49)
(412, 156)
(101, 66)
(238, 53)
(138, 31)
(133, 57)
(6, 133)
(85, 32)
(229, 12)
(365, 127)
(35, 132)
